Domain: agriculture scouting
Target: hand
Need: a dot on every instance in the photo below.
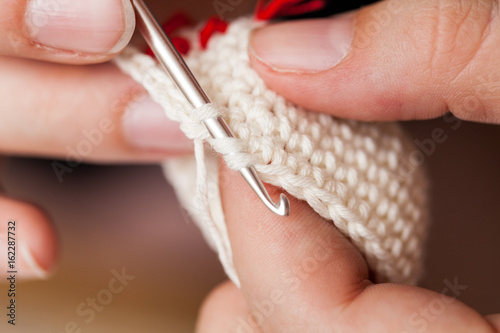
(394, 60)
(407, 60)
(52, 108)
(300, 274)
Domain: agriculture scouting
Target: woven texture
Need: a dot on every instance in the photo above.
(349, 172)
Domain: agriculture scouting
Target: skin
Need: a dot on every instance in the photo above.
(336, 296)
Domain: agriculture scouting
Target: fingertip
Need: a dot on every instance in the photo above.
(331, 90)
(221, 308)
(340, 66)
(272, 252)
(494, 320)
(35, 241)
(73, 32)
(91, 26)
(147, 127)
(40, 241)
(304, 46)
(129, 27)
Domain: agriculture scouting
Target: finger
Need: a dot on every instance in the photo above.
(391, 60)
(292, 267)
(400, 308)
(224, 310)
(27, 240)
(299, 274)
(494, 320)
(90, 113)
(69, 31)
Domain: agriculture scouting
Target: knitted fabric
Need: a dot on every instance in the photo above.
(349, 172)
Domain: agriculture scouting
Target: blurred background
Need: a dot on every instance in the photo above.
(126, 217)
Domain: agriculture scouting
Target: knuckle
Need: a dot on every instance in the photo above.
(460, 29)
(480, 100)
(463, 55)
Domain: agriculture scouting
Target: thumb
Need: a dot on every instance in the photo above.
(66, 31)
(300, 274)
(282, 262)
(394, 60)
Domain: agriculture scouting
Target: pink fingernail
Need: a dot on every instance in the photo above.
(89, 26)
(146, 126)
(32, 268)
(304, 46)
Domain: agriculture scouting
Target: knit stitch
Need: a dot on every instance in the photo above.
(349, 172)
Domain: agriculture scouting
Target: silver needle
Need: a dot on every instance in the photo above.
(171, 60)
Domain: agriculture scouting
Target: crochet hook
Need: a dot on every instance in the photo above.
(172, 61)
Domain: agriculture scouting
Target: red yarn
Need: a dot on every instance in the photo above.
(212, 26)
(177, 21)
(181, 44)
(180, 20)
(265, 10)
(269, 9)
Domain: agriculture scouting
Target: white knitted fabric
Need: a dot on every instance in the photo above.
(349, 172)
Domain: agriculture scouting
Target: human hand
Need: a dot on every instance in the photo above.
(393, 60)
(300, 274)
(52, 108)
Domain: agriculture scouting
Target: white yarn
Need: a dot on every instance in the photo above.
(347, 171)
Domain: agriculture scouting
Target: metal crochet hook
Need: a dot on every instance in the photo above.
(171, 60)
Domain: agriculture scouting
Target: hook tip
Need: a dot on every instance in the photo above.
(283, 208)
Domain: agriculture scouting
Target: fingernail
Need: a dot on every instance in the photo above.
(304, 46)
(31, 267)
(89, 26)
(146, 126)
